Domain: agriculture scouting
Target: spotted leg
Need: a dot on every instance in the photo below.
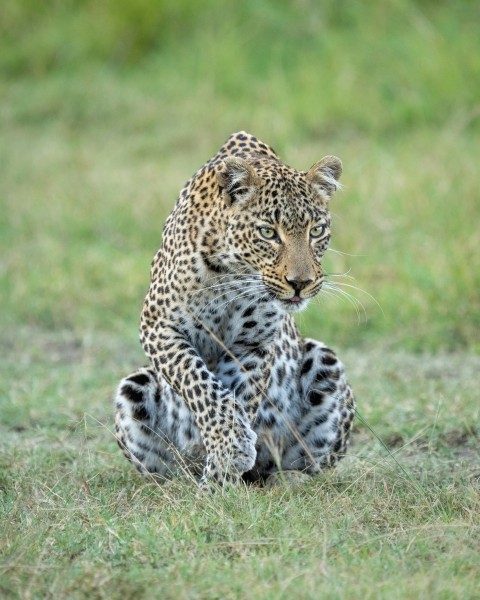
(328, 408)
(155, 429)
(304, 425)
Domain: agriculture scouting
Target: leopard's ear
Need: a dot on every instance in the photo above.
(324, 176)
(238, 180)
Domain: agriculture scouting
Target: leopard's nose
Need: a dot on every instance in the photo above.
(299, 284)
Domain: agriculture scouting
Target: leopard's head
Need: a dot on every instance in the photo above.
(278, 223)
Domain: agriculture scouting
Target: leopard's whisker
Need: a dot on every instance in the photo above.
(346, 274)
(352, 299)
(228, 284)
(344, 253)
(229, 279)
(354, 287)
(238, 296)
(336, 287)
(244, 292)
(234, 273)
(342, 295)
(324, 293)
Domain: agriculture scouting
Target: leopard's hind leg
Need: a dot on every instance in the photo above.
(154, 428)
(327, 408)
(304, 424)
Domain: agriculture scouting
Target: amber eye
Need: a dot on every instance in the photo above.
(268, 233)
(317, 231)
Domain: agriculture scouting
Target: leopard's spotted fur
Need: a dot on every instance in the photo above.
(233, 389)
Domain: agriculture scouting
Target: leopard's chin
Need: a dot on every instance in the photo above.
(293, 305)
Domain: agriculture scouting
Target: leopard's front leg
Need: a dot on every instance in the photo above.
(231, 453)
(224, 425)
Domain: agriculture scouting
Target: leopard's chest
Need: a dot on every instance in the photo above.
(235, 322)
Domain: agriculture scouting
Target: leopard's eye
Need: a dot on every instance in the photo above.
(317, 231)
(268, 233)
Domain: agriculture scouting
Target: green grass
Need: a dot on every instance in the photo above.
(106, 111)
(79, 522)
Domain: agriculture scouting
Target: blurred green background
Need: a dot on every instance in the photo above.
(108, 107)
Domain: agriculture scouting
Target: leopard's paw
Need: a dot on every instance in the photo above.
(286, 478)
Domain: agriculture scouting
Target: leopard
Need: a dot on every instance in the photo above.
(232, 391)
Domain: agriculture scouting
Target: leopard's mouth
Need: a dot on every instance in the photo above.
(294, 304)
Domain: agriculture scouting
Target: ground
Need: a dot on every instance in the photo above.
(398, 518)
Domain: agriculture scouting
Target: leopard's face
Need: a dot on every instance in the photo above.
(285, 246)
(279, 226)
